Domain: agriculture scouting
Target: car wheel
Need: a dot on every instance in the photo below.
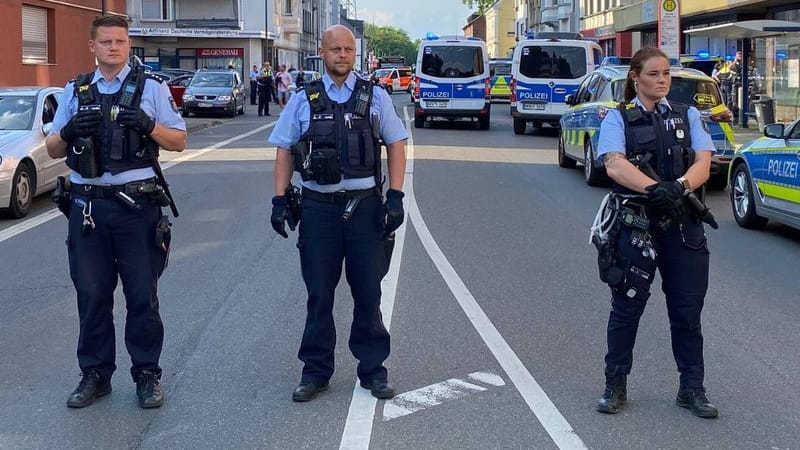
(564, 160)
(419, 121)
(594, 176)
(743, 200)
(22, 191)
(483, 122)
(241, 111)
(519, 126)
(185, 112)
(232, 112)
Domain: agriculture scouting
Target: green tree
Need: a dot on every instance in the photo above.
(391, 41)
(482, 5)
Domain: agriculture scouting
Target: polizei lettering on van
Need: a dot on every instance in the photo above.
(529, 95)
(429, 94)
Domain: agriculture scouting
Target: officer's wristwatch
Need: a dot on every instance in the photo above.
(685, 184)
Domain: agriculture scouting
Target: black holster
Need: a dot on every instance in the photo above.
(62, 197)
(163, 238)
(294, 204)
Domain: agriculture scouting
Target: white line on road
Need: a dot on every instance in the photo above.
(548, 414)
(432, 395)
(50, 214)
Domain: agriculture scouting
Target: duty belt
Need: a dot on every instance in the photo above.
(341, 197)
(110, 190)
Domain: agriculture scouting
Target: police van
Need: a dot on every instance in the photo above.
(452, 80)
(500, 78)
(547, 67)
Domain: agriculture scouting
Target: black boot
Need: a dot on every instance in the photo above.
(148, 390)
(615, 395)
(91, 387)
(696, 401)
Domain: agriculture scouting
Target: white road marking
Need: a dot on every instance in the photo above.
(50, 214)
(548, 414)
(425, 397)
(488, 378)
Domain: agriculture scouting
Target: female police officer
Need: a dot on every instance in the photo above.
(667, 141)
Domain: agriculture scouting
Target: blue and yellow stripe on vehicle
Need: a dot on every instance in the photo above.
(500, 86)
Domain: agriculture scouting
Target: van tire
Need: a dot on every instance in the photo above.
(519, 126)
(419, 121)
(483, 122)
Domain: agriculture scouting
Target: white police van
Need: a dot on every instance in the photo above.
(452, 80)
(547, 67)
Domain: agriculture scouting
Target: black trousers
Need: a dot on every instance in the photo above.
(121, 245)
(683, 259)
(263, 102)
(325, 241)
(253, 92)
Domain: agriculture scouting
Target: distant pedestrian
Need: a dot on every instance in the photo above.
(254, 84)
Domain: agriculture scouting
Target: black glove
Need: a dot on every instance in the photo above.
(280, 212)
(394, 210)
(136, 119)
(667, 197)
(83, 124)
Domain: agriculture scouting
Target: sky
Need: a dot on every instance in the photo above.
(416, 17)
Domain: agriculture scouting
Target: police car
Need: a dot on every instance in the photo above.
(452, 80)
(500, 78)
(765, 178)
(604, 89)
(546, 68)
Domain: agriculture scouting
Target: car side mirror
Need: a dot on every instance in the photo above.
(774, 130)
(570, 99)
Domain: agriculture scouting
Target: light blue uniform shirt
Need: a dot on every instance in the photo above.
(296, 116)
(612, 130)
(156, 102)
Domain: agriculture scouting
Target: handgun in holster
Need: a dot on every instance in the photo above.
(61, 196)
(294, 201)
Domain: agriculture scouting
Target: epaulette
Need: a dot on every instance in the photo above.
(155, 76)
(630, 112)
(314, 95)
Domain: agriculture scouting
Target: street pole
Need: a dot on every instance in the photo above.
(103, 7)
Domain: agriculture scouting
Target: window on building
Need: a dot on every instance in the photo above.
(34, 35)
(157, 9)
(287, 9)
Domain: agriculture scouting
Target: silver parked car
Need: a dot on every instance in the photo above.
(214, 91)
(26, 169)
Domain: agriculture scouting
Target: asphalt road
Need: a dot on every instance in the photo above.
(496, 313)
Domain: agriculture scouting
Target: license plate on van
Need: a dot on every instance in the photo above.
(533, 106)
(436, 104)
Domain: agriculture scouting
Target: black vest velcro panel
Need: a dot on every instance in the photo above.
(340, 126)
(663, 140)
(121, 149)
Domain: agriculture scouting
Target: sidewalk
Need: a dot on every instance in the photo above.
(745, 135)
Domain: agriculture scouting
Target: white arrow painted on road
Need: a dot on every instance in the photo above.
(436, 394)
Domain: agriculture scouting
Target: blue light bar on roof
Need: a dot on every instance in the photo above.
(703, 55)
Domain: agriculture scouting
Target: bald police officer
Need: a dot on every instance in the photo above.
(110, 125)
(326, 134)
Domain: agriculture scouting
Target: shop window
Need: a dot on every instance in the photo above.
(157, 9)
(34, 35)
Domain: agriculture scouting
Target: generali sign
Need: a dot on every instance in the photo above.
(216, 52)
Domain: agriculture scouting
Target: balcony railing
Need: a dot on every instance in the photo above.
(232, 24)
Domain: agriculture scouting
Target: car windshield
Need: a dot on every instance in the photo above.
(212, 80)
(702, 94)
(553, 62)
(452, 61)
(16, 112)
(501, 69)
(382, 73)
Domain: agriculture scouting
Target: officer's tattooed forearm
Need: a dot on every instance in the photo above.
(612, 158)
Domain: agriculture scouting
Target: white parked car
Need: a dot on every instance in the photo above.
(309, 75)
(26, 169)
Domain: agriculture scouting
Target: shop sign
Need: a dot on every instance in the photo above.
(197, 33)
(604, 32)
(669, 27)
(219, 52)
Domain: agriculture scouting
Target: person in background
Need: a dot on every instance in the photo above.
(254, 72)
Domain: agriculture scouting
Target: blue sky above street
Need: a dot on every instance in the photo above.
(416, 17)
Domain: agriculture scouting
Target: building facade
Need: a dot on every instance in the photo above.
(500, 29)
(44, 42)
(476, 26)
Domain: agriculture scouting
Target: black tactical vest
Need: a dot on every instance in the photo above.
(663, 141)
(343, 127)
(120, 148)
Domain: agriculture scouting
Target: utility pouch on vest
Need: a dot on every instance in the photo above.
(87, 152)
(325, 166)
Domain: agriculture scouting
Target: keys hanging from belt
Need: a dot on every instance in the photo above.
(88, 222)
(350, 207)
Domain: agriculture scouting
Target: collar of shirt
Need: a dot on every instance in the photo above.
(108, 87)
(339, 94)
(663, 102)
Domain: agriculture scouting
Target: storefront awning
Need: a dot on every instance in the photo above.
(747, 29)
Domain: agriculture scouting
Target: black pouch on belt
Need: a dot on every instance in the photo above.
(62, 197)
(163, 237)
